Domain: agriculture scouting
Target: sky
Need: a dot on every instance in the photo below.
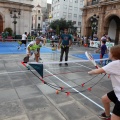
(49, 1)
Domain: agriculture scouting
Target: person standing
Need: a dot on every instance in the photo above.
(65, 42)
(103, 50)
(24, 40)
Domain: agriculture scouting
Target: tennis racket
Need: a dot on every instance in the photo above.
(26, 59)
(90, 57)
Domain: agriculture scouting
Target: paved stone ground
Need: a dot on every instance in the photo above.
(24, 97)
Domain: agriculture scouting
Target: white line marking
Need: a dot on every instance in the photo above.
(76, 91)
(15, 72)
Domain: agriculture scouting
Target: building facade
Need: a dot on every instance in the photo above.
(39, 14)
(101, 17)
(67, 9)
(22, 10)
(37, 18)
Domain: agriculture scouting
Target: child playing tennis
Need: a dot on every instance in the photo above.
(34, 47)
(113, 69)
(103, 50)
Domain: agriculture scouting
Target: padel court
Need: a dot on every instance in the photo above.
(12, 48)
(24, 97)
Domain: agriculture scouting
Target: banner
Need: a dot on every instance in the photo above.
(97, 44)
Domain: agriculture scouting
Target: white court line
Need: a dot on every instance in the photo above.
(76, 90)
(15, 72)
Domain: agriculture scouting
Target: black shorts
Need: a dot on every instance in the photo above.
(116, 110)
(24, 42)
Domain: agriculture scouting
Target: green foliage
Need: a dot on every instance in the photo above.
(57, 30)
(61, 24)
(8, 31)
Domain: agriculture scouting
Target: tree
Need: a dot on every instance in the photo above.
(61, 24)
(9, 31)
(57, 30)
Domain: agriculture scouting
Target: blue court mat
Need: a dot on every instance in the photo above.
(11, 48)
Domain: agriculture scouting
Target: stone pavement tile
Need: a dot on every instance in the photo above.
(72, 76)
(10, 109)
(36, 104)
(63, 78)
(58, 71)
(34, 80)
(18, 83)
(91, 106)
(106, 84)
(48, 79)
(8, 95)
(75, 111)
(93, 118)
(17, 76)
(28, 91)
(46, 89)
(47, 114)
(99, 91)
(59, 98)
(21, 117)
(72, 84)
(5, 82)
(29, 74)
(10, 67)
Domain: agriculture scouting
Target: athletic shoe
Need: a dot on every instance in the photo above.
(66, 64)
(103, 116)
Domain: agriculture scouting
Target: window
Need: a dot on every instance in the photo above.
(57, 14)
(38, 11)
(80, 16)
(70, 8)
(38, 18)
(75, 15)
(58, 7)
(38, 25)
(65, 6)
(69, 15)
(76, 1)
(64, 13)
(75, 9)
(79, 23)
(74, 22)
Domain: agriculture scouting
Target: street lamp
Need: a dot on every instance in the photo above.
(15, 14)
(94, 24)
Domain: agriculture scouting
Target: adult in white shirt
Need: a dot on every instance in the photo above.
(34, 48)
(24, 40)
(113, 69)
